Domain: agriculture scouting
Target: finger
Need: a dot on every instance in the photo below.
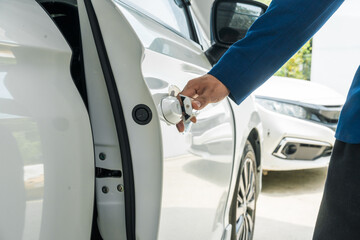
(193, 119)
(180, 126)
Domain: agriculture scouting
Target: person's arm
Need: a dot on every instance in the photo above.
(269, 43)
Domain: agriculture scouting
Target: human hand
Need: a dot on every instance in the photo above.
(204, 90)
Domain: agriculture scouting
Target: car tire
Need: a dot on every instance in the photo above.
(243, 206)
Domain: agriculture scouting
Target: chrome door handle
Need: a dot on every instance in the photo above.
(171, 109)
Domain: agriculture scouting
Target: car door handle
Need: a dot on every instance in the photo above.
(173, 110)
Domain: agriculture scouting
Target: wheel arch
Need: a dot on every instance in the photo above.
(254, 139)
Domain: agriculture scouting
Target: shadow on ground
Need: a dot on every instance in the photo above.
(287, 183)
(272, 229)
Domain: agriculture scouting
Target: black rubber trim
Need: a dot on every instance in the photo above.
(119, 122)
(193, 33)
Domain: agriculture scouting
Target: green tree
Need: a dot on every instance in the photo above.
(299, 66)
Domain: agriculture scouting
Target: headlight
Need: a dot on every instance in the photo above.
(283, 108)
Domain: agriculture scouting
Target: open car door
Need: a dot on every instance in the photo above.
(152, 182)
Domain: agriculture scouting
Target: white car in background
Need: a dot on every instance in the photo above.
(299, 119)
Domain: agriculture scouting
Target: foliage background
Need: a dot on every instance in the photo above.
(299, 66)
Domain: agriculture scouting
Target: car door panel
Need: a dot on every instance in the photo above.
(46, 167)
(197, 165)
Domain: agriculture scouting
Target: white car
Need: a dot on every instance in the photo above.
(87, 137)
(299, 119)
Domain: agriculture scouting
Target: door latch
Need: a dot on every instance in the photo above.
(107, 173)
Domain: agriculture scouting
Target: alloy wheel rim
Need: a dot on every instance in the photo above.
(245, 202)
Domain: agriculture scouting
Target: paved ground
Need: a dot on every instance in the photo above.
(288, 205)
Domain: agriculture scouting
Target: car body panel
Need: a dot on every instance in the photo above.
(197, 164)
(247, 119)
(191, 195)
(47, 166)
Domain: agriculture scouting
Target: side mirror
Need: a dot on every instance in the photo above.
(230, 21)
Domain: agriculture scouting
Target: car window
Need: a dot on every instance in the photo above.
(171, 13)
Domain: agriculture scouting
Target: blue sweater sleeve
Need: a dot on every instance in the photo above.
(270, 42)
